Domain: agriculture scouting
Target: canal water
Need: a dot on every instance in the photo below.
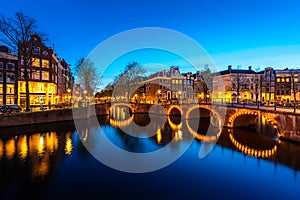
(49, 161)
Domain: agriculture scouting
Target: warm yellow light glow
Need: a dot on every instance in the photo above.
(158, 135)
(10, 148)
(68, 146)
(251, 151)
(22, 146)
(1, 149)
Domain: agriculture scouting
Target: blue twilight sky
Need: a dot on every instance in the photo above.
(251, 32)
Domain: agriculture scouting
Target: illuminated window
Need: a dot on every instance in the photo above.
(1, 88)
(173, 81)
(287, 80)
(180, 81)
(36, 75)
(1, 76)
(45, 75)
(22, 86)
(10, 77)
(177, 82)
(282, 80)
(10, 99)
(278, 80)
(10, 89)
(296, 79)
(10, 66)
(36, 62)
(45, 63)
(1, 100)
(295, 74)
(1, 65)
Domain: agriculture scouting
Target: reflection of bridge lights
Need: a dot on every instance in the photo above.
(121, 123)
(68, 146)
(174, 126)
(10, 148)
(202, 137)
(251, 151)
(178, 135)
(158, 135)
(22, 147)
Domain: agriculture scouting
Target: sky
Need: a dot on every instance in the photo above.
(259, 33)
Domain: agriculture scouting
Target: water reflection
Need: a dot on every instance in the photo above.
(37, 151)
(37, 157)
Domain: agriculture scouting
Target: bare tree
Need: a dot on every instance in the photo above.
(123, 82)
(206, 81)
(16, 32)
(87, 76)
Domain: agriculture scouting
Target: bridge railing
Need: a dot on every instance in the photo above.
(287, 106)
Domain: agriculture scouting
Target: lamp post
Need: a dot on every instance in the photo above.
(135, 98)
(158, 94)
(207, 96)
(69, 92)
(85, 93)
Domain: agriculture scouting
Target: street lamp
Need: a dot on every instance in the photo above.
(85, 93)
(158, 92)
(135, 98)
(69, 92)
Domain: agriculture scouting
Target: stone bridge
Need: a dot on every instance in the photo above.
(286, 124)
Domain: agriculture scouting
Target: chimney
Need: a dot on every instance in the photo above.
(249, 68)
(229, 68)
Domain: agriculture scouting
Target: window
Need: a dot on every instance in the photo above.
(10, 99)
(36, 75)
(283, 80)
(45, 63)
(278, 80)
(296, 79)
(287, 92)
(36, 50)
(267, 89)
(287, 80)
(278, 92)
(45, 75)
(1, 88)
(282, 92)
(1, 100)
(1, 76)
(10, 89)
(36, 62)
(10, 77)
(1, 65)
(10, 66)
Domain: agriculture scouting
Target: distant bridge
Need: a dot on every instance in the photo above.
(286, 124)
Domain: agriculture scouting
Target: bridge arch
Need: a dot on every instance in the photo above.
(219, 123)
(237, 114)
(178, 107)
(120, 123)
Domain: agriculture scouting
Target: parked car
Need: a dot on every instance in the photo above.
(10, 108)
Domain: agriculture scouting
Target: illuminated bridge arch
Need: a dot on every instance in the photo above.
(255, 113)
(120, 123)
(114, 105)
(178, 107)
(218, 123)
